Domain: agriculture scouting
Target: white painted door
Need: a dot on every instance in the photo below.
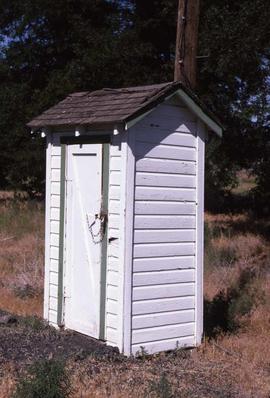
(83, 239)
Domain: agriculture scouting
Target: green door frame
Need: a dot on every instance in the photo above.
(64, 141)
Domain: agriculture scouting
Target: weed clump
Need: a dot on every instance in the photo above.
(161, 388)
(222, 314)
(45, 379)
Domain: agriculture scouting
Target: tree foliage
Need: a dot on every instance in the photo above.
(51, 48)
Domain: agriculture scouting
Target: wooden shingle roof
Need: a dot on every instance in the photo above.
(108, 106)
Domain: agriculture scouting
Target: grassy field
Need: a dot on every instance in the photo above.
(233, 361)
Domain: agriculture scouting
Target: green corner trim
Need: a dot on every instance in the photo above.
(103, 270)
(61, 236)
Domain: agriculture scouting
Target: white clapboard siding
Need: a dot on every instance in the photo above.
(165, 151)
(55, 175)
(154, 222)
(158, 291)
(114, 206)
(165, 180)
(157, 333)
(162, 319)
(163, 263)
(55, 213)
(164, 208)
(168, 194)
(56, 162)
(163, 249)
(112, 321)
(111, 306)
(166, 137)
(55, 188)
(55, 201)
(164, 241)
(164, 345)
(163, 277)
(54, 278)
(162, 305)
(166, 166)
(53, 317)
(164, 235)
(53, 302)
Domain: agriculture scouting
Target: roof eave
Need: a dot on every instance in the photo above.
(184, 95)
(200, 113)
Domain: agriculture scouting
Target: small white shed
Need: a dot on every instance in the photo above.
(124, 215)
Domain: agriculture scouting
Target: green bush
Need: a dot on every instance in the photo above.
(45, 379)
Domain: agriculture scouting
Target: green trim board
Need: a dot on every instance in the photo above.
(61, 236)
(105, 187)
(103, 270)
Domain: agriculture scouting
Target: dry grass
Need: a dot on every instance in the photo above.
(235, 364)
(21, 257)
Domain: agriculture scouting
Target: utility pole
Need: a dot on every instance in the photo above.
(187, 42)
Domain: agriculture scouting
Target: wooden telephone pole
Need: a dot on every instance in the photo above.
(187, 42)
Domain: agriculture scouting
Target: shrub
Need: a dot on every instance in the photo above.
(45, 379)
(161, 388)
(223, 313)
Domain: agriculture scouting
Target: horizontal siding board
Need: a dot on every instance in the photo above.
(112, 278)
(53, 291)
(164, 345)
(163, 263)
(169, 222)
(55, 227)
(114, 206)
(164, 208)
(56, 162)
(56, 150)
(114, 192)
(111, 335)
(164, 152)
(54, 278)
(165, 137)
(53, 317)
(166, 166)
(112, 306)
(164, 249)
(164, 235)
(161, 319)
(160, 291)
(112, 320)
(55, 175)
(53, 265)
(113, 250)
(168, 194)
(54, 252)
(165, 180)
(53, 302)
(115, 178)
(115, 163)
(54, 238)
(163, 305)
(114, 221)
(163, 277)
(112, 292)
(55, 201)
(55, 188)
(157, 333)
(55, 214)
(113, 233)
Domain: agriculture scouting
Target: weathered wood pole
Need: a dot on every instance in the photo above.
(187, 42)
